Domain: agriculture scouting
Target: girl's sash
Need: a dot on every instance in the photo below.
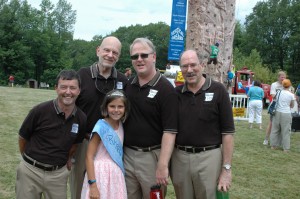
(111, 142)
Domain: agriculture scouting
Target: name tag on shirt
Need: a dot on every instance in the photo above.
(209, 97)
(75, 128)
(120, 85)
(152, 93)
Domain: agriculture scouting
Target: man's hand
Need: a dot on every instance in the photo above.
(162, 175)
(225, 180)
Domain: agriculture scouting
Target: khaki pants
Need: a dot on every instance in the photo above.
(196, 175)
(78, 170)
(140, 169)
(33, 182)
(281, 130)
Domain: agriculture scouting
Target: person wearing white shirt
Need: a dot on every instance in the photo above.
(282, 120)
(274, 87)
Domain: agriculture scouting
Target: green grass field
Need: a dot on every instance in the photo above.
(258, 171)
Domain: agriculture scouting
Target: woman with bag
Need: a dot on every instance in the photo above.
(275, 86)
(282, 120)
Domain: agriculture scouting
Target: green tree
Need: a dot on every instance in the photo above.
(268, 30)
(239, 36)
(295, 42)
(65, 19)
(83, 53)
(253, 62)
(158, 33)
(14, 54)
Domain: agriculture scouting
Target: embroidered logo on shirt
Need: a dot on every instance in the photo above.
(152, 93)
(75, 128)
(120, 85)
(209, 97)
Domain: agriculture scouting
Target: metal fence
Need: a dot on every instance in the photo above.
(239, 106)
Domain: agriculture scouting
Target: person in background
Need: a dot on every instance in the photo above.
(47, 141)
(297, 94)
(214, 54)
(168, 66)
(275, 86)
(104, 160)
(256, 95)
(151, 127)
(11, 80)
(128, 73)
(230, 76)
(97, 80)
(201, 161)
(282, 120)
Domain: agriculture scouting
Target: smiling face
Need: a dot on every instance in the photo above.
(191, 68)
(67, 92)
(143, 59)
(116, 109)
(109, 52)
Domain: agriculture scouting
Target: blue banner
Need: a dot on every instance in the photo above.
(177, 30)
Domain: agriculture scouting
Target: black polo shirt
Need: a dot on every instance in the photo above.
(154, 109)
(204, 116)
(49, 135)
(93, 90)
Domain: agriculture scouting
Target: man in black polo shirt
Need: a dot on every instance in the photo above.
(151, 127)
(47, 140)
(97, 80)
(201, 161)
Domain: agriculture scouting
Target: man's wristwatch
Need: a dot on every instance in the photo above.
(91, 181)
(227, 167)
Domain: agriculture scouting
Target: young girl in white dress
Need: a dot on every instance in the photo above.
(105, 172)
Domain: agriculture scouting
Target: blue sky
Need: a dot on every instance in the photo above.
(99, 18)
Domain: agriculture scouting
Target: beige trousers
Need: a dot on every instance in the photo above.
(140, 169)
(196, 175)
(78, 170)
(33, 182)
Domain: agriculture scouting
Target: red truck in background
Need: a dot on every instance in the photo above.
(245, 76)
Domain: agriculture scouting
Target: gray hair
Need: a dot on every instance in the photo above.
(201, 57)
(144, 42)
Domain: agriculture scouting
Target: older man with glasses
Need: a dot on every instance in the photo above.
(97, 80)
(151, 127)
(201, 161)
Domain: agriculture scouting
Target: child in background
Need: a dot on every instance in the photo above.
(105, 171)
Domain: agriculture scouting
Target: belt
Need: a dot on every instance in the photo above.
(41, 165)
(144, 149)
(191, 149)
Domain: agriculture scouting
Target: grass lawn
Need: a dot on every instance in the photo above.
(258, 171)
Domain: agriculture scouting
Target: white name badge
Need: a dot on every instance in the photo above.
(209, 97)
(120, 85)
(152, 93)
(75, 128)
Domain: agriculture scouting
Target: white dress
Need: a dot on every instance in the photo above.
(109, 176)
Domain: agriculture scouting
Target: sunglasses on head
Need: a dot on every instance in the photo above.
(143, 56)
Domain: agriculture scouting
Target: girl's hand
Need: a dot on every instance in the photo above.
(94, 192)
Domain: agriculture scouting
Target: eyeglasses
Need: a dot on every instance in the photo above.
(143, 56)
(186, 66)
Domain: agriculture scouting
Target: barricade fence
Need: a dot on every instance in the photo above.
(239, 107)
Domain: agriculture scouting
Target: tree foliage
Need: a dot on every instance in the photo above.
(34, 40)
(158, 33)
(273, 30)
(253, 62)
